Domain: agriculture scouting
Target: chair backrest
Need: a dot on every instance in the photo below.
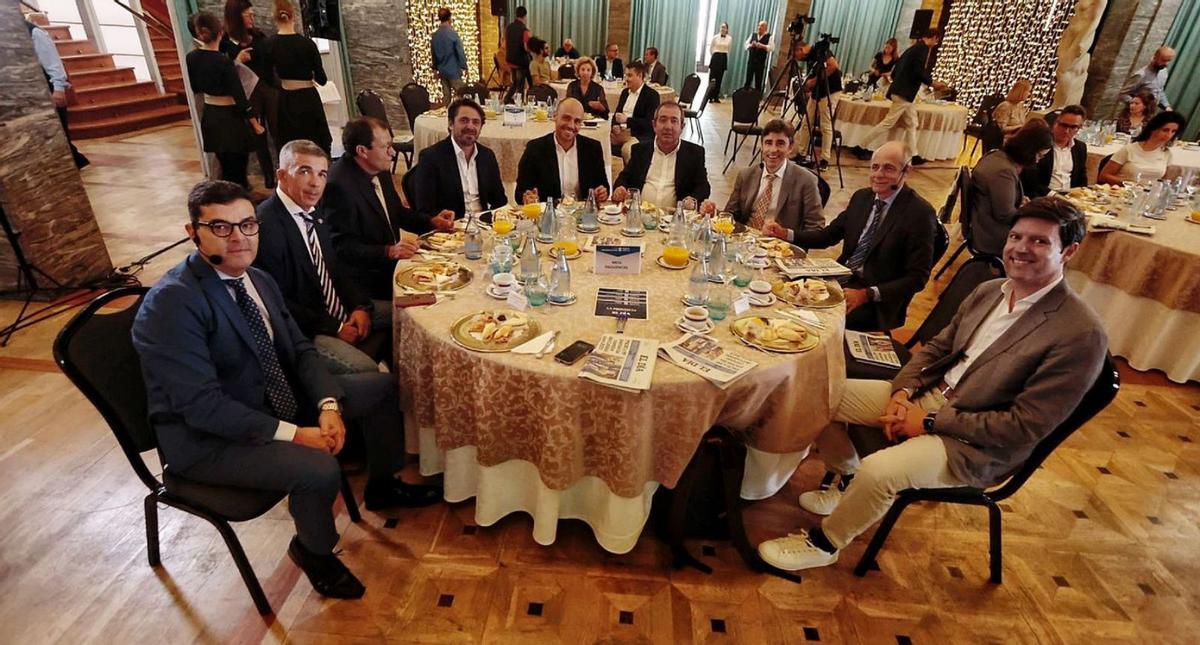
(1103, 391)
(95, 350)
(369, 104)
(745, 105)
(823, 190)
(988, 105)
(542, 92)
(415, 99)
(566, 72)
(992, 136)
(408, 185)
(974, 272)
(477, 92)
(1103, 162)
(691, 85)
(709, 92)
(941, 241)
(966, 202)
(948, 208)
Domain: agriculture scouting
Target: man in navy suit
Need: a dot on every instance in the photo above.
(239, 397)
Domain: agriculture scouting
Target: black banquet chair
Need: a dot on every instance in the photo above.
(566, 72)
(477, 92)
(1102, 392)
(692, 114)
(744, 122)
(369, 104)
(95, 350)
(543, 93)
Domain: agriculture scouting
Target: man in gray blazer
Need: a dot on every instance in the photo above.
(972, 405)
(777, 196)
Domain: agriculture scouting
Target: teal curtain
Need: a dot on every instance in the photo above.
(1182, 88)
(743, 17)
(862, 25)
(669, 26)
(585, 22)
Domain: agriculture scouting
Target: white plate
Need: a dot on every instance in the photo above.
(491, 291)
(771, 299)
(709, 326)
(568, 303)
(613, 209)
(609, 219)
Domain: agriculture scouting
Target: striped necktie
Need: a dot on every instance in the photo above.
(279, 392)
(758, 216)
(867, 240)
(333, 304)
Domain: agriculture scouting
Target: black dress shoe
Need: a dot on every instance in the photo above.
(918, 160)
(327, 574)
(861, 153)
(393, 492)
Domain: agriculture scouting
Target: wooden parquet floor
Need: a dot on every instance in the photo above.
(1100, 546)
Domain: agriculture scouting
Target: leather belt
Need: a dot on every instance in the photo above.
(290, 84)
(219, 100)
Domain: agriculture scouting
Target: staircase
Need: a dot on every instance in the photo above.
(106, 99)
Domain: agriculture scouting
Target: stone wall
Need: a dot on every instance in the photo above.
(40, 188)
(620, 15)
(376, 34)
(1130, 32)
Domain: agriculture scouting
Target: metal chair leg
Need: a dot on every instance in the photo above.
(994, 547)
(957, 252)
(877, 540)
(243, 565)
(351, 502)
(727, 135)
(152, 552)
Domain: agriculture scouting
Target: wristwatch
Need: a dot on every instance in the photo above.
(331, 406)
(927, 423)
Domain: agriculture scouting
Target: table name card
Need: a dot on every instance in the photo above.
(618, 259)
(517, 300)
(634, 303)
(514, 116)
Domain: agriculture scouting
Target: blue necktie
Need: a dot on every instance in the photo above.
(868, 238)
(279, 392)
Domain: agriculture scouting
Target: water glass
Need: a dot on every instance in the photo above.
(743, 272)
(718, 302)
(536, 290)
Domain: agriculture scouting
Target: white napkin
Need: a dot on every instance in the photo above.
(534, 346)
(804, 316)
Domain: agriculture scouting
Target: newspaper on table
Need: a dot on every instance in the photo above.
(811, 267)
(876, 349)
(623, 362)
(704, 356)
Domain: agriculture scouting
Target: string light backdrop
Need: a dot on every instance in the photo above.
(422, 22)
(989, 44)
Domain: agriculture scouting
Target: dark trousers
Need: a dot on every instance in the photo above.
(520, 79)
(716, 69)
(312, 478)
(754, 74)
(264, 99)
(80, 160)
(233, 167)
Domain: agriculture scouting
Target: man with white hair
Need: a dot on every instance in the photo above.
(1151, 78)
(567, 50)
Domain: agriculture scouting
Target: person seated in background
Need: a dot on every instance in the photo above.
(666, 169)
(562, 163)
(1140, 108)
(539, 67)
(567, 50)
(1148, 156)
(328, 304)
(974, 402)
(996, 185)
(587, 90)
(777, 197)
(458, 174)
(609, 65)
(655, 72)
(1011, 113)
(1151, 78)
(887, 233)
(239, 397)
(883, 63)
(371, 226)
(634, 117)
(1066, 165)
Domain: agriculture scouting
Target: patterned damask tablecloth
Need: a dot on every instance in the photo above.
(519, 433)
(939, 127)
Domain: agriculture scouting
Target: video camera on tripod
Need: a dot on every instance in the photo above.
(796, 27)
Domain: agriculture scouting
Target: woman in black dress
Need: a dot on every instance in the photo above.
(719, 61)
(297, 63)
(229, 124)
(587, 90)
(881, 66)
(240, 43)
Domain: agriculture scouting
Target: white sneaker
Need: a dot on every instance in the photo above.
(795, 552)
(821, 502)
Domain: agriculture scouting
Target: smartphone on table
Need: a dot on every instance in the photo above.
(573, 352)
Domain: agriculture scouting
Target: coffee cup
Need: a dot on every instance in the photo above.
(760, 288)
(503, 282)
(760, 253)
(695, 317)
(613, 209)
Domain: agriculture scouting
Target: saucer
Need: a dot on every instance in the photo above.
(613, 210)
(491, 291)
(753, 298)
(753, 264)
(609, 219)
(640, 232)
(664, 265)
(582, 229)
(554, 253)
(566, 303)
(681, 325)
(685, 301)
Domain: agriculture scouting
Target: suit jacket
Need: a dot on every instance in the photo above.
(657, 74)
(1019, 389)
(283, 253)
(205, 387)
(691, 178)
(361, 229)
(799, 204)
(996, 195)
(439, 187)
(911, 72)
(538, 168)
(1035, 181)
(641, 124)
(618, 68)
(899, 261)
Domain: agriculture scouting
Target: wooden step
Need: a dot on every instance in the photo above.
(130, 123)
(166, 54)
(92, 78)
(169, 67)
(59, 32)
(73, 47)
(83, 114)
(173, 84)
(85, 62)
(102, 94)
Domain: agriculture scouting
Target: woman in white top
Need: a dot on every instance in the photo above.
(1147, 158)
(1012, 113)
(719, 61)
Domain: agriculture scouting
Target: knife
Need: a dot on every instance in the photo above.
(548, 346)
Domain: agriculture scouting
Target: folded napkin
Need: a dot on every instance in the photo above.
(804, 316)
(534, 346)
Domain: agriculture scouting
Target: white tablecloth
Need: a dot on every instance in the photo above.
(507, 142)
(612, 92)
(1181, 156)
(939, 127)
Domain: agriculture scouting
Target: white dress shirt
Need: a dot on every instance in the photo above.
(1060, 176)
(568, 168)
(659, 188)
(998, 321)
(298, 214)
(770, 45)
(631, 101)
(468, 175)
(721, 44)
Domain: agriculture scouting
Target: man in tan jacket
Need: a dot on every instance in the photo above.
(971, 406)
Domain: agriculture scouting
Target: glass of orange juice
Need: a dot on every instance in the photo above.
(531, 211)
(566, 240)
(723, 224)
(676, 256)
(502, 223)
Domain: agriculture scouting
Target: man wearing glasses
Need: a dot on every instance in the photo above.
(239, 397)
(1066, 165)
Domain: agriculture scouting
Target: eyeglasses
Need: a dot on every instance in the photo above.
(1067, 126)
(221, 228)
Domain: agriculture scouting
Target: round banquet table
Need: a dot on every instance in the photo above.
(1145, 290)
(612, 92)
(1182, 155)
(519, 433)
(939, 126)
(507, 142)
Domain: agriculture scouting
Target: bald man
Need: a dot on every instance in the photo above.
(562, 162)
(887, 233)
(759, 48)
(1151, 78)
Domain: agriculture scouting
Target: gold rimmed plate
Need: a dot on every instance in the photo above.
(424, 276)
(494, 330)
(774, 334)
(793, 292)
(443, 241)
